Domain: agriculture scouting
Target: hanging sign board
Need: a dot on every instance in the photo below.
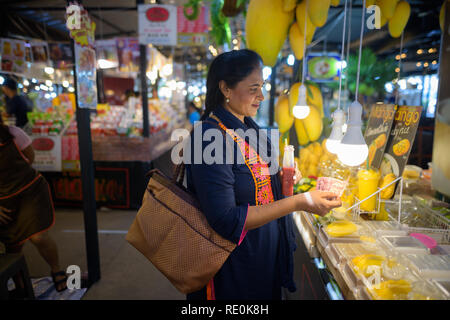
(323, 68)
(82, 31)
(13, 58)
(401, 139)
(157, 24)
(193, 32)
(377, 131)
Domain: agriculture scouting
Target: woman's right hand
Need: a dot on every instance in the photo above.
(321, 202)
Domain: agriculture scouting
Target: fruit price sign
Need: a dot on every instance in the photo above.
(157, 24)
(377, 131)
(401, 139)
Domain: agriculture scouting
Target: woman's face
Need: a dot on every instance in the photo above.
(246, 97)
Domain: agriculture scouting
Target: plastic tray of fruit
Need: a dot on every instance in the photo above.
(340, 253)
(341, 231)
(411, 288)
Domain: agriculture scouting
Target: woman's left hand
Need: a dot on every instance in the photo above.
(297, 176)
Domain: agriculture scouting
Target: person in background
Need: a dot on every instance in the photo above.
(194, 114)
(16, 104)
(26, 207)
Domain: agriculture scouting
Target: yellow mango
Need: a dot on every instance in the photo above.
(340, 228)
(362, 262)
(266, 28)
(313, 124)
(302, 136)
(300, 15)
(442, 15)
(297, 41)
(289, 5)
(387, 7)
(312, 170)
(283, 117)
(335, 3)
(399, 20)
(392, 290)
(318, 11)
(370, 3)
(317, 149)
(389, 191)
(315, 98)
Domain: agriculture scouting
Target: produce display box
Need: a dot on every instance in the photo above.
(430, 266)
(325, 239)
(308, 232)
(404, 244)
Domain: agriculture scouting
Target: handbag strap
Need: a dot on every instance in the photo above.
(180, 169)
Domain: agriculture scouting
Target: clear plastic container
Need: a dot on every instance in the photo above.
(404, 244)
(443, 286)
(325, 239)
(431, 266)
(410, 287)
(386, 228)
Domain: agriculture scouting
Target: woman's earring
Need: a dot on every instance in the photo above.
(227, 100)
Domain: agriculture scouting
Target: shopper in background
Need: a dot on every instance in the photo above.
(194, 114)
(16, 104)
(26, 207)
(241, 203)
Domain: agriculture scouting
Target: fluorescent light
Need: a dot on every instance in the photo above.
(65, 83)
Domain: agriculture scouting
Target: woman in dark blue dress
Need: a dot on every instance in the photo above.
(241, 200)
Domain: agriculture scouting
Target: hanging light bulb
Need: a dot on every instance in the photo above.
(334, 141)
(301, 109)
(353, 150)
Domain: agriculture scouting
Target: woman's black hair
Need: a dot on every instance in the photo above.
(5, 135)
(231, 67)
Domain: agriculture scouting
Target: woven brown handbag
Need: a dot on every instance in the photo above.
(171, 232)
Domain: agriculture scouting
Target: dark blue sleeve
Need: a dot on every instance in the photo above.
(214, 188)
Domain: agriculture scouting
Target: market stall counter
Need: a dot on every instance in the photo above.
(394, 259)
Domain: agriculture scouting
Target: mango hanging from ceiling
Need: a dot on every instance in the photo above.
(318, 11)
(442, 15)
(370, 3)
(398, 22)
(289, 5)
(300, 15)
(266, 28)
(335, 3)
(387, 7)
(302, 136)
(297, 41)
(283, 117)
